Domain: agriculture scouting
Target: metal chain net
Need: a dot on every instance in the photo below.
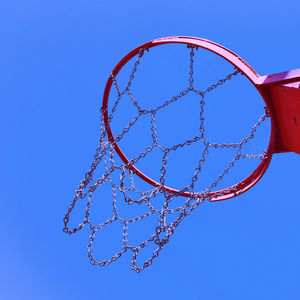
(105, 152)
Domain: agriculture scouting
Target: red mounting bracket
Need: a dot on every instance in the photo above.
(282, 94)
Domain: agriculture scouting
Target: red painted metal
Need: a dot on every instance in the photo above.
(279, 91)
(284, 103)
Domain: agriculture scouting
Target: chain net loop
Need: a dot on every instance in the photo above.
(105, 152)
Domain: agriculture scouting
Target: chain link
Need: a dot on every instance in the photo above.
(105, 152)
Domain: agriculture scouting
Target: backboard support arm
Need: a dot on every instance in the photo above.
(282, 94)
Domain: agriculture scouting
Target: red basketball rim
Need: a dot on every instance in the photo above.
(237, 62)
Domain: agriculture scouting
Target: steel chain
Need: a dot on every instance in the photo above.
(105, 152)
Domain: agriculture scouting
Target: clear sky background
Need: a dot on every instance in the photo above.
(55, 59)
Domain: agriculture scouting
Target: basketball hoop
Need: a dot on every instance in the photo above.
(282, 106)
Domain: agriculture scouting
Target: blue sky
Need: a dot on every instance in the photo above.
(55, 59)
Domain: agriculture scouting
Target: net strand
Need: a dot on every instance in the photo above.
(105, 152)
